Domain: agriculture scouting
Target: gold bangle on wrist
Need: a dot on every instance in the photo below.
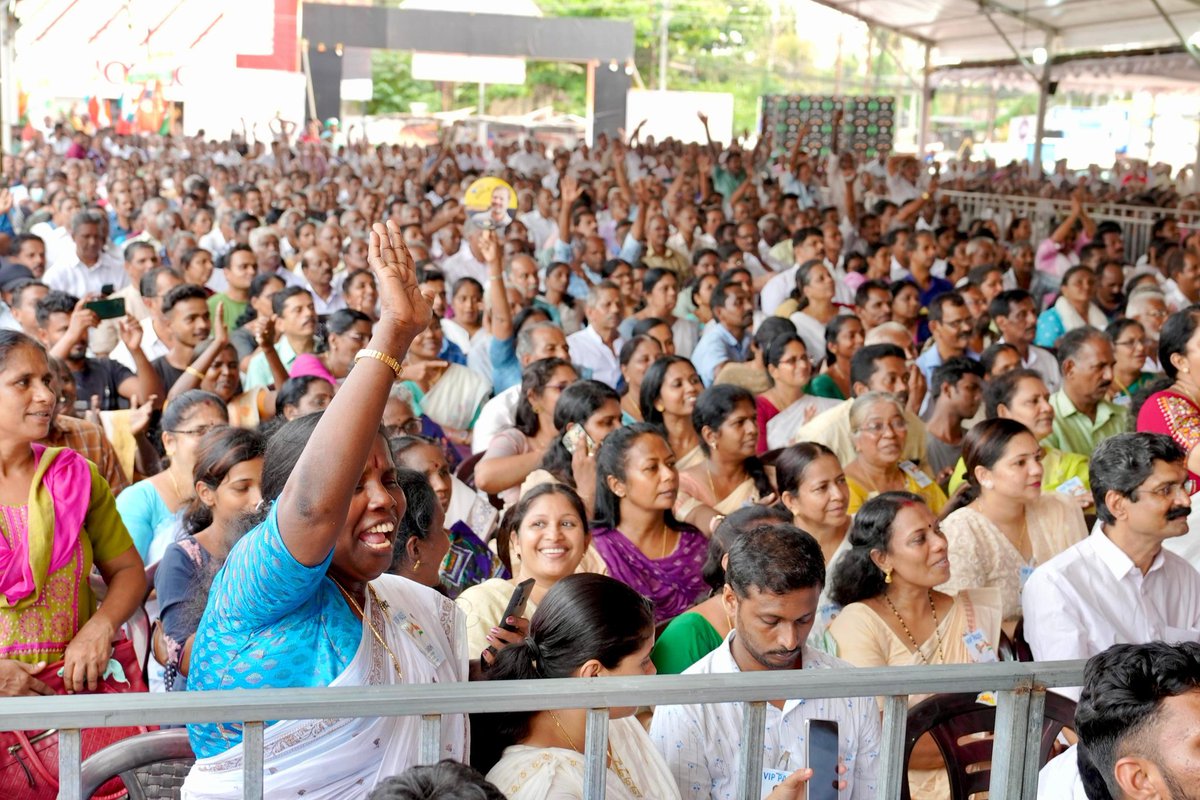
(395, 365)
(195, 373)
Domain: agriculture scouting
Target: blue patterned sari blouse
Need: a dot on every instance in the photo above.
(270, 622)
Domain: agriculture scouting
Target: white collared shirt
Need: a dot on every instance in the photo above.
(152, 346)
(1043, 363)
(496, 415)
(589, 350)
(463, 265)
(336, 301)
(700, 742)
(80, 280)
(1092, 596)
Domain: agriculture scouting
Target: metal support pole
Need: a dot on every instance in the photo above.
(589, 133)
(70, 757)
(431, 738)
(664, 26)
(252, 760)
(595, 754)
(750, 754)
(891, 749)
(926, 98)
(1008, 748)
(1043, 101)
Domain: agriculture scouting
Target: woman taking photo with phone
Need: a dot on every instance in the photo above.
(587, 412)
(635, 532)
(303, 599)
(546, 537)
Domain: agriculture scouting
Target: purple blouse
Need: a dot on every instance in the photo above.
(674, 583)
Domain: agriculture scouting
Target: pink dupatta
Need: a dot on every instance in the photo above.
(62, 484)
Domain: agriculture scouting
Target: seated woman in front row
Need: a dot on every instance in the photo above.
(892, 615)
(588, 626)
(303, 599)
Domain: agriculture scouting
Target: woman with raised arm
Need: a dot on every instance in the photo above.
(303, 600)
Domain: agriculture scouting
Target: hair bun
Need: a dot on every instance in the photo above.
(535, 654)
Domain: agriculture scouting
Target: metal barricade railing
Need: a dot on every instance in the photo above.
(1019, 688)
(1045, 213)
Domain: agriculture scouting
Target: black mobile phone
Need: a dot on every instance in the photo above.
(106, 290)
(822, 737)
(108, 309)
(515, 608)
(517, 603)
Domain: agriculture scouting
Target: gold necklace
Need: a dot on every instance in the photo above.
(378, 636)
(175, 486)
(614, 763)
(937, 635)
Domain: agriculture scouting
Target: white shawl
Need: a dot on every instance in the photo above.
(554, 773)
(455, 397)
(343, 759)
(1071, 319)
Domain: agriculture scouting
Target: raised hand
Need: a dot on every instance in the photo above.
(570, 189)
(139, 414)
(489, 247)
(131, 333)
(402, 306)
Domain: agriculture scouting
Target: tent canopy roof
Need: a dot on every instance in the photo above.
(960, 30)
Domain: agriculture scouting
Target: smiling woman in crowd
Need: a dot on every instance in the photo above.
(303, 598)
(669, 393)
(546, 536)
(730, 474)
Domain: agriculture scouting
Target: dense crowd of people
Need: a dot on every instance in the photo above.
(706, 409)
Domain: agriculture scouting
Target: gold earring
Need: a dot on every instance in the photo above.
(887, 576)
(537, 410)
(417, 565)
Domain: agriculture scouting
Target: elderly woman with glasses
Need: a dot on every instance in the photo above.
(1129, 347)
(879, 431)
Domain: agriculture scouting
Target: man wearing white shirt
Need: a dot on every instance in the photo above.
(92, 268)
(1119, 584)
(773, 573)
(467, 262)
(808, 244)
(318, 280)
(1015, 315)
(541, 222)
(597, 346)
(156, 334)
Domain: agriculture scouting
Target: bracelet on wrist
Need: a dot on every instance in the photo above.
(378, 355)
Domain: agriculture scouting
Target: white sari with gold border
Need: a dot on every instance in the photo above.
(343, 759)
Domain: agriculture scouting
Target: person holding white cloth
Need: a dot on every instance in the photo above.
(303, 601)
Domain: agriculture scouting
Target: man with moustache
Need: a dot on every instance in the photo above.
(1120, 585)
(729, 338)
(1083, 416)
(773, 580)
(950, 328)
